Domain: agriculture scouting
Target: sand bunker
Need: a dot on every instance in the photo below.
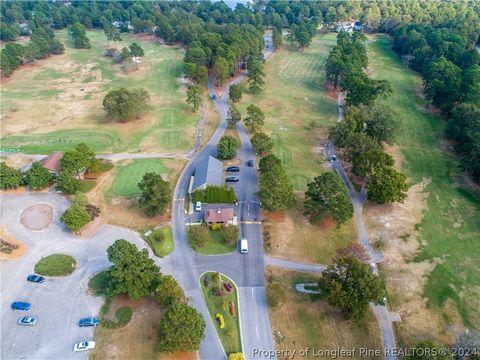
(10, 248)
(37, 217)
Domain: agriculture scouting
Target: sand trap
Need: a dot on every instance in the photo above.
(37, 217)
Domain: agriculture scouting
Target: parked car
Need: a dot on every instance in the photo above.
(20, 305)
(84, 345)
(232, 179)
(244, 246)
(214, 97)
(88, 322)
(233, 169)
(220, 320)
(334, 158)
(35, 278)
(198, 206)
(250, 163)
(27, 320)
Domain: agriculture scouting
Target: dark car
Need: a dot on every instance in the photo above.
(88, 322)
(250, 163)
(20, 305)
(35, 278)
(214, 97)
(233, 169)
(232, 179)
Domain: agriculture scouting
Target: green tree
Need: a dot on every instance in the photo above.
(233, 117)
(227, 147)
(327, 195)
(235, 93)
(124, 105)
(168, 292)
(255, 75)
(370, 162)
(194, 96)
(75, 217)
(37, 177)
(262, 143)
(68, 183)
(274, 190)
(156, 194)
(136, 51)
(182, 328)
(126, 55)
(133, 272)
(200, 235)
(382, 124)
(230, 234)
(276, 39)
(79, 36)
(255, 118)
(78, 160)
(10, 178)
(350, 286)
(221, 69)
(387, 185)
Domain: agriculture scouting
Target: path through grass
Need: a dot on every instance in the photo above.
(450, 229)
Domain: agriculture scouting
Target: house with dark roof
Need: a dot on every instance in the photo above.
(219, 214)
(52, 162)
(208, 172)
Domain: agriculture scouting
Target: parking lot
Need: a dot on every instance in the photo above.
(60, 302)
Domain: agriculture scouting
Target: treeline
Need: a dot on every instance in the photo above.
(361, 134)
(450, 68)
(42, 44)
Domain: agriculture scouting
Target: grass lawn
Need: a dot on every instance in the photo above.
(213, 246)
(303, 320)
(131, 173)
(56, 265)
(87, 185)
(73, 85)
(230, 334)
(293, 98)
(449, 230)
(161, 241)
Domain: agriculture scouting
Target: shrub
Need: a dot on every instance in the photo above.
(10, 178)
(75, 217)
(38, 177)
(216, 227)
(68, 183)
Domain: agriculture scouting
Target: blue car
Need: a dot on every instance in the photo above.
(35, 278)
(214, 97)
(88, 322)
(19, 305)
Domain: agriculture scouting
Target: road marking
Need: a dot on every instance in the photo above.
(252, 293)
(250, 222)
(256, 330)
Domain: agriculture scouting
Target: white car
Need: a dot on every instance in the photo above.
(244, 246)
(27, 320)
(198, 206)
(84, 345)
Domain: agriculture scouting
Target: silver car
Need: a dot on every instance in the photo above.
(27, 320)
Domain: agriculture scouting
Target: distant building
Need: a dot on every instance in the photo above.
(219, 214)
(123, 24)
(52, 162)
(208, 172)
(345, 26)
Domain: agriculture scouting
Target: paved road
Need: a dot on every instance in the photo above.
(381, 312)
(292, 265)
(60, 302)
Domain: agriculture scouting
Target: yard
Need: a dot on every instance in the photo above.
(214, 245)
(161, 241)
(73, 85)
(439, 252)
(303, 321)
(230, 333)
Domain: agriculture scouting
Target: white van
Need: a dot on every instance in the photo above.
(198, 206)
(244, 246)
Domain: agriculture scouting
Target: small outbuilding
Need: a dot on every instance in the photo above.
(219, 214)
(208, 172)
(52, 162)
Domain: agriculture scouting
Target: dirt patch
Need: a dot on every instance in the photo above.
(333, 94)
(136, 340)
(395, 225)
(276, 216)
(327, 222)
(11, 247)
(37, 217)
